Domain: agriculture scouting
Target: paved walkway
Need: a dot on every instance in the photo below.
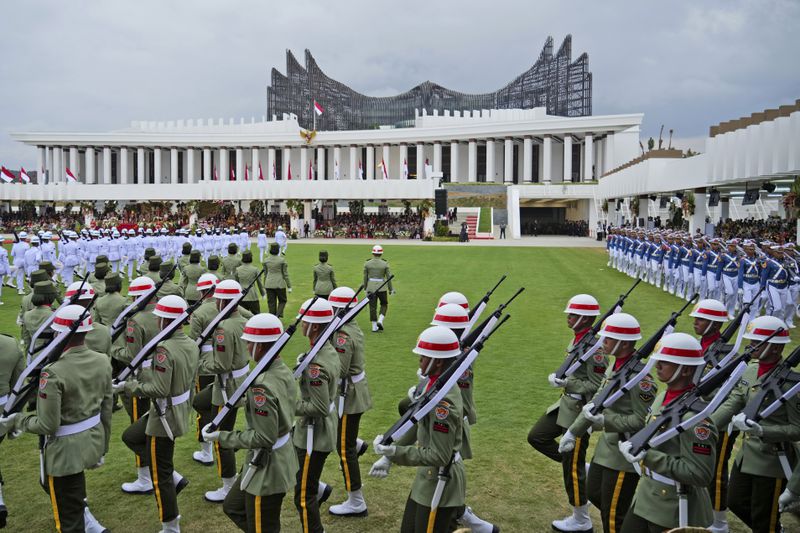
(543, 241)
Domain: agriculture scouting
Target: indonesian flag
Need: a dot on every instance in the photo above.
(233, 174)
(216, 175)
(260, 172)
(6, 175)
(318, 109)
(246, 174)
(405, 169)
(310, 171)
(274, 172)
(24, 175)
(70, 176)
(360, 171)
(384, 170)
(336, 170)
(289, 174)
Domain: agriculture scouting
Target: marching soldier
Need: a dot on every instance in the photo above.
(790, 498)
(186, 256)
(681, 467)
(18, 255)
(277, 281)
(26, 304)
(213, 265)
(730, 275)
(245, 274)
(111, 304)
(97, 279)
(44, 293)
(33, 255)
(256, 505)
(12, 363)
(262, 244)
(191, 274)
(168, 384)
(70, 258)
(169, 287)
(612, 480)
(376, 271)
(324, 278)
(749, 280)
(581, 311)
(99, 338)
(436, 444)
(231, 262)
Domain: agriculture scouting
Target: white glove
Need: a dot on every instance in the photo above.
(745, 425)
(788, 500)
(380, 469)
(289, 290)
(555, 382)
(300, 358)
(380, 449)
(625, 450)
(7, 423)
(594, 419)
(411, 393)
(118, 387)
(740, 292)
(208, 435)
(419, 373)
(567, 443)
(100, 463)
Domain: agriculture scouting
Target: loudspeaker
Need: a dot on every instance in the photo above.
(713, 198)
(440, 198)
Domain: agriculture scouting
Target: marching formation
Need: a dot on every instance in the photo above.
(185, 357)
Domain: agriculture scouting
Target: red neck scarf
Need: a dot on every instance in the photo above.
(709, 339)
(431, 380)
(763, 368)
(619, 361)
(579, 334)
(672, 394)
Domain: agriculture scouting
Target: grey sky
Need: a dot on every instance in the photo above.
(97, 65)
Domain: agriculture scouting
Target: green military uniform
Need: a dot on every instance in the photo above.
(324, 279)
(213, 265)
(110, 305)
(269, 415)
(245, 274)
(12, 363)
(230, 263)
(580, 386)
(43, 295)
(99, 339)
(612, 480)
(277, 281)
(190, 274)
(168, 383)
(169, 287)
(757, 478)
(438, 442)
(75, 389)
(185, 258)
(687, 459)
(376, 271)
(97, 279)
(25, 303)
(153, 268)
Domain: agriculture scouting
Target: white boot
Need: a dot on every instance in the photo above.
(204, 455)
(476, 524)
(218, 496)
(173, 526)
(353, 506)
(143, 483)
(380, 322)
(579, 520)
(90, 523)
(361, 446)
(374, 326)
(179, 481)
(720, 524)
(323, 492)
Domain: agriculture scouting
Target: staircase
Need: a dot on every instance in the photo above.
(472, 226)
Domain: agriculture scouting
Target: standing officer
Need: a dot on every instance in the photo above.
(12, 363)
(110, 305)
(581, 311)
(168, 384)
(376, 271)
(324, 277)
(270, 401)
(277, 281)
(245, 274)
(191, 274)
(231, 262)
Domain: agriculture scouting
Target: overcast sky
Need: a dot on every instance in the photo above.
(97, 65)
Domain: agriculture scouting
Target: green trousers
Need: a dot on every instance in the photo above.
(253, 514)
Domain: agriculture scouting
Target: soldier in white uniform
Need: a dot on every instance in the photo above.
(114, 252)
(48, 248)
(280, 238)
(18, 254)
(262, 244)
(70, 258)
(5, 269)
(33, 256)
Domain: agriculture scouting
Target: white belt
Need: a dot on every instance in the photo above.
(3, 400)
(147, 363)
(376, 279)
(457, 457)
(331, 407)
(181, 398)
(655, 476)
(206, 348)
(77, 427)
(241, 372)
(281, 441)
(353, 379)
(574, 396)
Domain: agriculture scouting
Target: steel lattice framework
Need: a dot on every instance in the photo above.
(555, 82)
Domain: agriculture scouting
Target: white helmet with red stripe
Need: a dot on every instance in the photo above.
(140, 286)
(170, 306)
(437, 342)
(87, 291)
(227, 289)
(584, 305)
(263, 327)
(207, 281)
(621, 326)
(321, 312)
(762, 327)
(679, 348)
(710, 309)
(377, 249)
(451, 316)
(341, 296)
(66, 317)
(454, 298)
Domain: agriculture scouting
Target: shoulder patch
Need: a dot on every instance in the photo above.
(466, 375)
(341, 340)
(599, 358)
(702, 432)
(313, 371)
(161, 354)
(646, 385)
(43, 380)
(219, 335)
(442, 410)
(259, 398)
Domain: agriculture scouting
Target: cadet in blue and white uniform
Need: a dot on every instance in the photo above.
(713, 270)
(18, 255)
(699, 261)
(775, 278)
(730, 277)
(687, 267)
(790, 260)
(749, 280)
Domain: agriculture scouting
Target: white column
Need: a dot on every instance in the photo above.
(173, 166)
(270, 163)
(588, 157)
(141, 172)
(90, 162)
(254, 161)
(55, 175)
(123, 165)
(420, 161)
(385, 157)
(73, 163)
(567, 158)
(41, 158)
(601, 159)
(106, 165)
(207, 174)
(698, 219)
(454, 170)
(403, 163)
(48, 162)
(286, 153)
(190, 171)
(321, 163)
(337, 163)
(472, 161)
(224, 170)
(437, 157)
(352, 171)
(370, 162)
(547, 159)
(239, 164)
(303, 172)
(527, 160)
(508, 161)
(512, 205)
(490, 161)
(157, 165)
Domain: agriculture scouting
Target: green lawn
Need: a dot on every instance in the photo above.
(508, 482)
(485, 220)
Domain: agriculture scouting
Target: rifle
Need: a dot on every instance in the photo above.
(423, 404)
(587, 346)
(475, 313)
(16, 237)
(138, 305)
(780, 376)
(474, 334)
(622, 382)
(718, 346)
(71, 300)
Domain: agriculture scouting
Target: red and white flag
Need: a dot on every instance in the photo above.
(289, 176)
(405, 169)
(246, 174)
(318, 109)
(384, 170)
(310, 171)
(274, 172)
(233, 175)
(70, 176)
(260, 173)
(6, 175)
(216, 175)
(360, 171)
(24, 175)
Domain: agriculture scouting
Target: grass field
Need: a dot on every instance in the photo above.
(508, 483)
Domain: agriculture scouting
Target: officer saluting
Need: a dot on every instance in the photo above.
(376, 271)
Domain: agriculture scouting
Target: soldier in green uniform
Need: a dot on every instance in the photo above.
(73, 412)
(434, 446)
(231, 262)
(681, 467)
(324, 277)
(99, 338)
(25, 304)
(148, 254)
(612, 480)
(190, 273)
(376, 271)
(245, 274)
(169, 287)
(12, 363)
(228, 362)
(185, 258)
(168, 384)
(270, 401)
(44, 293)
(99, 282)
(153, 268)
(50, 268)
(759, 472)
(581, 311)
(315, 429)
(789, 499)
(277, 280)
(111, 304)
(213, 265)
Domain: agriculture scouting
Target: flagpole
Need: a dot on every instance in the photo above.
(314, 115)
